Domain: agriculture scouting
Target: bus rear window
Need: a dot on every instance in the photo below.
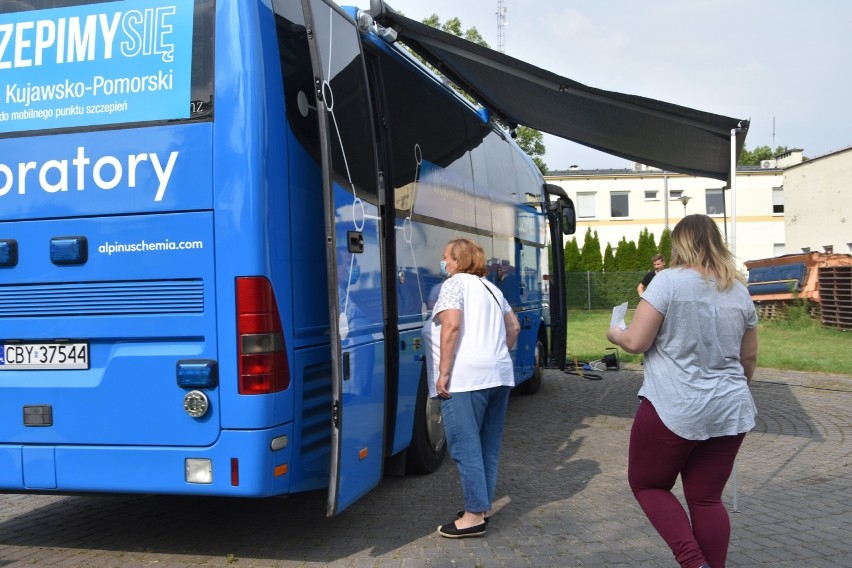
(72, 64)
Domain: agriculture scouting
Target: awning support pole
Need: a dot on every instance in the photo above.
(734, 192)
(734, 505)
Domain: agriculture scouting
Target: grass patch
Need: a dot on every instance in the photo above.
(800, 344)
(587, 336)
(803, 345)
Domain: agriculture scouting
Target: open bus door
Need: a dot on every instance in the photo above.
(562, 221)
(353, 253)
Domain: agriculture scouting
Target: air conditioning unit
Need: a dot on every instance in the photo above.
(766, 164)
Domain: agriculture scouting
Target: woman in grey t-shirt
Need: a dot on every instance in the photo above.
(696, 325)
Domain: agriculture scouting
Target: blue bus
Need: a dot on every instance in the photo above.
(220, 229)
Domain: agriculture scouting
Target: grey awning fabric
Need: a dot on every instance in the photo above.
(639, 129)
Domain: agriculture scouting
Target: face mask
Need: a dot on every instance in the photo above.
(444, 272)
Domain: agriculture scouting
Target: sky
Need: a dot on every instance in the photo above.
(784, 65)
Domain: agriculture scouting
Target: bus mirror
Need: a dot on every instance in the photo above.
(554, 190)
(569, 216)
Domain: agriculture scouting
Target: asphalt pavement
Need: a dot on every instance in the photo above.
(562, 499)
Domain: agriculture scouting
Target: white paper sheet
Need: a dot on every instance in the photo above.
(618, 313)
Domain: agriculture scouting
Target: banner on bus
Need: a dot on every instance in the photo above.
(96, 64)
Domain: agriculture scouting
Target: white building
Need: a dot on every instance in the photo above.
(621, 203)
(819, 204)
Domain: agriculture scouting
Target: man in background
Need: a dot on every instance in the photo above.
(658, 262)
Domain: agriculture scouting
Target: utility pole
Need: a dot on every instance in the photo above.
(501, 26)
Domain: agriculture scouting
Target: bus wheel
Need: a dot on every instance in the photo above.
(428, 441)
(533, 384)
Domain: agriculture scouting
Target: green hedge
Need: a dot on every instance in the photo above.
(602, 290)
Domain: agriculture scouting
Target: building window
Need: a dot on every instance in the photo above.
(675, 194)
(585, 205)
(778, 249)
(829, 249)
(806, 249)
(777, 199)
(619, 204)
(652, 195)
(715, 201)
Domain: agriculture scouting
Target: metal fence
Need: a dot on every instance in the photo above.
(602, 290)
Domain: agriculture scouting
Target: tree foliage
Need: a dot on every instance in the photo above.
(760, 153)
(454, 26)
(531, 141)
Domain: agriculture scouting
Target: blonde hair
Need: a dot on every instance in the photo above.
(469, 256)
(697, 243)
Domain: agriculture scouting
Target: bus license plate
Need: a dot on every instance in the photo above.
(36, 356)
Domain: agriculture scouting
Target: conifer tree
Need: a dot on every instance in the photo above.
(590, 254)
(653, 244)
(572, 256)
(621, 255)
(609, 260)
(665, 247)
(646, 249)
(633, 260)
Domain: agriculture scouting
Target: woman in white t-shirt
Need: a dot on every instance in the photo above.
(696, 325)
(467, 343)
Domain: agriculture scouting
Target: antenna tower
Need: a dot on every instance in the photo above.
(501, 26)
(773, 133)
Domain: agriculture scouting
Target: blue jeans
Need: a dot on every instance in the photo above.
(473, 422)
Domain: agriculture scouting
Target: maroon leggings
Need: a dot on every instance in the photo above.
(656, 457)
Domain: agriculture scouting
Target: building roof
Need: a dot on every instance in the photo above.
(646, 172)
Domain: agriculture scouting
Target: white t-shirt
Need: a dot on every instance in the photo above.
(693, 374)
(482, 359)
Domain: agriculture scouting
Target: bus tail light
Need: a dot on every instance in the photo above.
(262, 359)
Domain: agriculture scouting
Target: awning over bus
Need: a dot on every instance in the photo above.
(639, 129)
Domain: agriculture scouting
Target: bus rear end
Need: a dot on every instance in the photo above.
(110, 342)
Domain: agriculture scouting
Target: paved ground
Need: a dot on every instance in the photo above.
(563, 499)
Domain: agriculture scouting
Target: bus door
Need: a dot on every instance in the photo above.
(353, 253)
(562, 221)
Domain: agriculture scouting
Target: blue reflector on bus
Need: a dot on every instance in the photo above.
(68, 250)
(8, 252)
(197, 374)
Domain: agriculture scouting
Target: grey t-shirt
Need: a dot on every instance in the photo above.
(693, 374)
